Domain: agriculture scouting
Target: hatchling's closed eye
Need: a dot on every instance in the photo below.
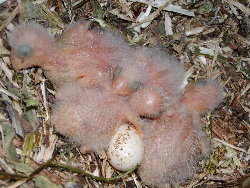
(24, 51)
(128, 78)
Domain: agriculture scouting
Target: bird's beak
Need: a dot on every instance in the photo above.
(16, 63)
(16, 68)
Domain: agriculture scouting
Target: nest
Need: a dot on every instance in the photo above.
(210, 40)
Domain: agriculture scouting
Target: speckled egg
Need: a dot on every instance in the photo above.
(126, 148)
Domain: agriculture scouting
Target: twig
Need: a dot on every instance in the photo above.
(151, 16)
(40, 168)
(5, 166)
(16, 124)
(9, 19)
(45, 102)
(240, 6)
(8, 72)
(12, 176)
(231, 146)
(24, 179)
(79, 171)
(18, 183)
(67, 167)
(4, 91)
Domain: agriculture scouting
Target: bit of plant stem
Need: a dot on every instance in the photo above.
(51, 163)
(79, 171)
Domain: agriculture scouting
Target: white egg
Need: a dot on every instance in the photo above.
(126, 148)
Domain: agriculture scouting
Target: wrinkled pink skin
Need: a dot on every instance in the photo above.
(102, 82)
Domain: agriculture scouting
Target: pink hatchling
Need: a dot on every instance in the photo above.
(90, 116)
(175, 142)
(80, 55)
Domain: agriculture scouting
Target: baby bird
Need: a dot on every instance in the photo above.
(90, 116)
(175, 142)
(171, 149)
(80, 55)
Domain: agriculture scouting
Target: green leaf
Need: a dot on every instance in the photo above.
(23, 168)
(205, 8)
(11, 154)
(9, 134)
(30, 10)
(30, 142)
(30, 116)
(31, 102)
(10, 149)
(44, 182)
(97, 9)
